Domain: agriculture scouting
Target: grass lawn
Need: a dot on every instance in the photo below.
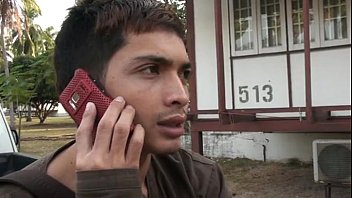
(40, 139)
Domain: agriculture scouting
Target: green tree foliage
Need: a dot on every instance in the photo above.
(30, 11)
(19, 85)
(10, 19)
(13, 16)
(180, 7)
(36, 40)
(45, 99)
(32, 80)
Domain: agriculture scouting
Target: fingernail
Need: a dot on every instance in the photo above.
(129, 107)
(119, 99)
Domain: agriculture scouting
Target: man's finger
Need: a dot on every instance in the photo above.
(121, 132)
(84, 135)
(106, 125)
(135, 146)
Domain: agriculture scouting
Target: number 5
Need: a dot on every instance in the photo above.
(244, 94)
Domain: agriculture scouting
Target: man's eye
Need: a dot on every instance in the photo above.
(186, 74)
(152, 69)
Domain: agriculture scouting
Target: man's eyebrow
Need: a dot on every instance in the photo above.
(187, 65)
(160, 59)
(153, 58)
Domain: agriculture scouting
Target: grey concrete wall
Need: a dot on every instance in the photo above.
(262, 146)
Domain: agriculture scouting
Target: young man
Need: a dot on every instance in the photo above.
(135, 50)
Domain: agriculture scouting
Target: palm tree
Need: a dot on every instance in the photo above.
(34, 41)
(27, 43)
(13, 17)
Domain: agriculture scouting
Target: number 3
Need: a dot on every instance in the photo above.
(269, 92)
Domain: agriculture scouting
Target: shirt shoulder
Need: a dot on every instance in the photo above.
(13, 191)
(188, 155)
(193, 164)
(9, 190)
(199, 168)
(194, 173)
(205, 174)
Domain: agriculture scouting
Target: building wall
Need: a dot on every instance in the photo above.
(205, 55)
(331, 85)
(331, 70)
(264, 146)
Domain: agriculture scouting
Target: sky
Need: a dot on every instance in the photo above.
(53, 12)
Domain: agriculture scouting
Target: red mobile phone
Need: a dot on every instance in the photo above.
(79, 91)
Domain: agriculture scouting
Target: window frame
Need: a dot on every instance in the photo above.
(320, 42)
(314, 44)
(283, 31)
(328, 43)
(235, 52)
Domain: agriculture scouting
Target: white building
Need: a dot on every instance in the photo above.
(259, 89)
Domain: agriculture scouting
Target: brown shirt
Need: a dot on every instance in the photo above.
(179, 175)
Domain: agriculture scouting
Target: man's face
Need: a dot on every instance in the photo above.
(150, 72)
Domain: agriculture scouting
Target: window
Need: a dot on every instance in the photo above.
(329, 23)
(244, 29)
(272, 32)
(295, 24)
(259, 26)
(297, 18)
(244, 33)
(270, 23)
(335, 22)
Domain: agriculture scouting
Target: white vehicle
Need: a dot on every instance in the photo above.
(10, 159)
(7, 138)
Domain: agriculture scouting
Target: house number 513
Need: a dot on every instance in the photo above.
(266, 91)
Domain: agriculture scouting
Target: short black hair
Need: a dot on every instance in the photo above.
(95, 29)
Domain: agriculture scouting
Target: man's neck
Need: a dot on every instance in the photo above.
(63, 168)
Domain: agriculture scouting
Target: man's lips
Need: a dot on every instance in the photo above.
(172, 126)
(173, 121)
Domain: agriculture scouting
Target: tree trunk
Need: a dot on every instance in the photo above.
(7, 71)
(29, 115)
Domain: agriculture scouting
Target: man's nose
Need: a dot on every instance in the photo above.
(176, 92)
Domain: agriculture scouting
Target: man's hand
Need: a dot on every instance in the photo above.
(113, 146)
